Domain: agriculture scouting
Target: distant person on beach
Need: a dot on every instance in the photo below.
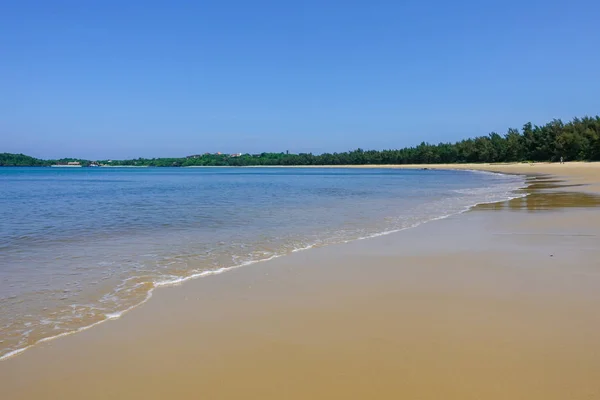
(561, 160)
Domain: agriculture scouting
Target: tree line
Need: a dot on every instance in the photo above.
(576, 140)
(21, 160)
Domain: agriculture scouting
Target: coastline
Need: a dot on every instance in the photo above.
(116, 314)
(250, 301)
(582, 173)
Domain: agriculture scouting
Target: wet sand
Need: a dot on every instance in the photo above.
(498, 303)
(577, 173)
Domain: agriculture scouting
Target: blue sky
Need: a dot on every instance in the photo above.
(120, 79)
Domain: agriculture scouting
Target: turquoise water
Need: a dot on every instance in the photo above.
(80, 246)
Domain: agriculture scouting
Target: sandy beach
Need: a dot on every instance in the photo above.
(581, 173)
(500, 302)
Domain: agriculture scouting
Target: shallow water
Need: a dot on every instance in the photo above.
(79, 246)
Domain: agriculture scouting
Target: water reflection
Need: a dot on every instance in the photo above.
(544, 194)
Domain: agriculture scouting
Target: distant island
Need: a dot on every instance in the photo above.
(576, 140)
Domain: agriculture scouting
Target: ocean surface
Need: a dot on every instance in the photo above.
(80, 246)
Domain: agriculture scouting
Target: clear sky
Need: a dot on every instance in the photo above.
(121, 79)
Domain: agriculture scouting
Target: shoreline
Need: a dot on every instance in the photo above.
(145, 316)
(182, 280)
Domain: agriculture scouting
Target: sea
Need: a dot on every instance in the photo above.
(81, 246)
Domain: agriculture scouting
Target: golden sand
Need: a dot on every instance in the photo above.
(581, 173)
(498, 303)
